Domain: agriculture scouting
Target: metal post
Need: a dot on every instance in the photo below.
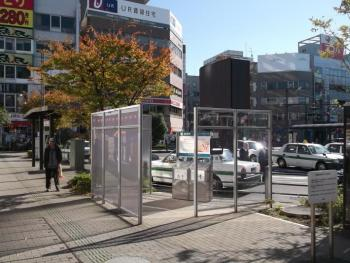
(41, 142)
(313, 234)
(51, 122)
(91, 157)
(195, 131)
(235, 183)
(269, 148)
(140, 165)
(103, 161)
(33, 142)
(331, 235)
(119, 161)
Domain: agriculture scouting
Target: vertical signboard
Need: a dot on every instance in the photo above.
(332, 47)
(347, 165)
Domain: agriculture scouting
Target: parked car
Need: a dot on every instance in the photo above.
(253, 149)
(335, 147)
(222, 168)
(307, 155)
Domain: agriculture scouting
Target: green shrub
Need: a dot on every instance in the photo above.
(338, 206)
(81, 183)
(29, 153)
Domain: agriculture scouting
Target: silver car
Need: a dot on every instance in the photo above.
(307, 155)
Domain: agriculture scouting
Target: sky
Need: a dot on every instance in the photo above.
(256, 27)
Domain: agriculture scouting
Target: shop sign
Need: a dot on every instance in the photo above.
(16, 59)
(16, 32)
(16, 13)
(108, 6)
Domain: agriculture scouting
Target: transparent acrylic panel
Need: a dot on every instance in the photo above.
(130, 183)
(111, 165)
(215, 181)
(213, 118)
(96, 164)
(252, 119)
(252, 152)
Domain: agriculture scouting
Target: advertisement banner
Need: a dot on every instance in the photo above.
(186, 146)
(16, 59)
(106, 6)
(16, 32)
(16, 17)
(19, 4)
(331, 47)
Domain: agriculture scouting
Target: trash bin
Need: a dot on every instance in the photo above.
(181, 181)
(205, 182)
(76, 155)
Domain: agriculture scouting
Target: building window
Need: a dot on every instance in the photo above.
(43, 22)
(1, 100)
(10, 100)
(68, 24)
(2, 43)
(23, 45)
(2, 74)
(177, 71)
(10, 72)
(10, 44)
(56, 23)
(22, 72)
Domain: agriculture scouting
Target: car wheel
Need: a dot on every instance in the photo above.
(253, 158)
(321, 166)
(281, 163)
(217, 184)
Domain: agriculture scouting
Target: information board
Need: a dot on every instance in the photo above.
(322, 186)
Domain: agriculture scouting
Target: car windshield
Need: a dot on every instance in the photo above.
(318, 149)
(227, 155)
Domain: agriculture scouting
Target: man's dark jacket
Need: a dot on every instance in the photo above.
(58, 155)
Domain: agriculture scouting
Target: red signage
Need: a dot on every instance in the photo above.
(18, 4)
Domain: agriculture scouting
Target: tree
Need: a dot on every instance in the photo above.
(341, 35)
(109, 70)
(159, 128)
(4, 117)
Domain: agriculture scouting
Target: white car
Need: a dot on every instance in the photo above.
(307, 155)
(335, 147)
(253, 149)
(222, 169)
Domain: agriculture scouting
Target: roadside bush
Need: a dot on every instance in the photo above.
(338, 206)
(81, 183)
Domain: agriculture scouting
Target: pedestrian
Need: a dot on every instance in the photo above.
(243, 153)
(52, 160)
(263, 161)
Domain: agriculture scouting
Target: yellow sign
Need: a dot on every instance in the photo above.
(16, 32)
(16, 59)
(16, 17)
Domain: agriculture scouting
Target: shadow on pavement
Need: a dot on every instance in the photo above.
(163, 231)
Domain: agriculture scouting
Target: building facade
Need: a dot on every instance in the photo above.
(304, 90)
(152, 24)
(191, 99)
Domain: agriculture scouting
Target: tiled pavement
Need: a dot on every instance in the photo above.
(36, 226)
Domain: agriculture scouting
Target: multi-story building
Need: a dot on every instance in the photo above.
(191, 99)
(154, 24)
(303, 90)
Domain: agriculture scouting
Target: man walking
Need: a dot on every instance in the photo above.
(52, 160)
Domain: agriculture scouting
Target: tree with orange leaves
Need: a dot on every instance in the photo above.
(108, 71)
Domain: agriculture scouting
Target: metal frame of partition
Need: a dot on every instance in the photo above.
(235, 128)
(119, 171)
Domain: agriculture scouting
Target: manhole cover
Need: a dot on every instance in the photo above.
(128, 260)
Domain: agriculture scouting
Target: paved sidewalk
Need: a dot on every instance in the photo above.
(36, 226)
